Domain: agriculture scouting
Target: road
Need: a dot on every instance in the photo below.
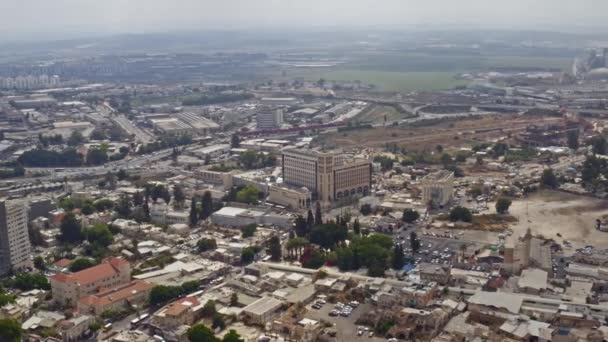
(139, 134)
(133, 162)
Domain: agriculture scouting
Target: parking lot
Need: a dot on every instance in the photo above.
(345, 326)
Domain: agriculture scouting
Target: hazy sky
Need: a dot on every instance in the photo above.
(19, 17)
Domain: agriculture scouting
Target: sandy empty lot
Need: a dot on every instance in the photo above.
(550, 212)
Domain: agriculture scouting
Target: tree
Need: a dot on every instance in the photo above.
(446, 159)
(365, 209)
(99, 235)
(205, 245)
(97, 156)
(318, 214)
(123, 207)
(71, 232)
(312, 258)
(500, 149)
(75, 138)
(548, 179)
(357, 227)
(232, 336)
(10, 330)
(218, 321)
(301, 226)
(502, 205)
(103, 204)
(206, 205)
(573, 139)
(410, 215)
(178, 195)
(414, 243)
(30, 281)
(247, 256)
(398, 257)
(200, 333)
(235, 141)
(39, 263)
(87, 209)
(310, 219)
(248, 159)
(598, 145)
(461, 214)
(328, 235)
(193, 213)
(161, 294)
(80, 264)
(138, 198)
(249, 230)
(274, 248)
(209, 309)
(234, 299)
(248, 194)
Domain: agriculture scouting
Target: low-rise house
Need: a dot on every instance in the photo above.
(71, 330)
(181, 312)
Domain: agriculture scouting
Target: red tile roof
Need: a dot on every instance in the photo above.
(63, 263)
(117, 294)
(106, 269)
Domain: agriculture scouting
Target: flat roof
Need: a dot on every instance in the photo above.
(512, 303)
(263, 305)
(533, 278)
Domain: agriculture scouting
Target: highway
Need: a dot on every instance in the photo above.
(135, 162)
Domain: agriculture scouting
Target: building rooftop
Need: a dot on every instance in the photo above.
(499, 300)
(107, 268)
(533, 278)
(117, 294)
(263, 305)
(441, 175)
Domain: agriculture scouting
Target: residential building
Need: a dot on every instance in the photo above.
(180, 312)
(15, 248)
(326, 174)
(115, 298)
(73, 329)
(68, 288)
(269, 118)
(434, 273)
(437, 188)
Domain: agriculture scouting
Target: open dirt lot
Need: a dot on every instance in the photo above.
(453, 133)
(553, 212)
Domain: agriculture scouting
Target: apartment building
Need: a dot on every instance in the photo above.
(68, 288)
(328, 175)
(15, 248)
(269, 118)
(437, 188)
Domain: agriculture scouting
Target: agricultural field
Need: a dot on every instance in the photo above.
(393, 81)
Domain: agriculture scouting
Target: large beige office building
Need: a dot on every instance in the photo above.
(328, 175)
(15, 248)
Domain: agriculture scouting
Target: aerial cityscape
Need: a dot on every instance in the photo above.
(305, 182)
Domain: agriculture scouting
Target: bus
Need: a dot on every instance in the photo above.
(134, 322)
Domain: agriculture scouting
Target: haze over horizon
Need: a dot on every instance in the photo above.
(21, 19)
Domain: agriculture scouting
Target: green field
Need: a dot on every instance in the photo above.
(393, 81)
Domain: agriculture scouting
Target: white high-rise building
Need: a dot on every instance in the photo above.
(15, 248)
(269, 118)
